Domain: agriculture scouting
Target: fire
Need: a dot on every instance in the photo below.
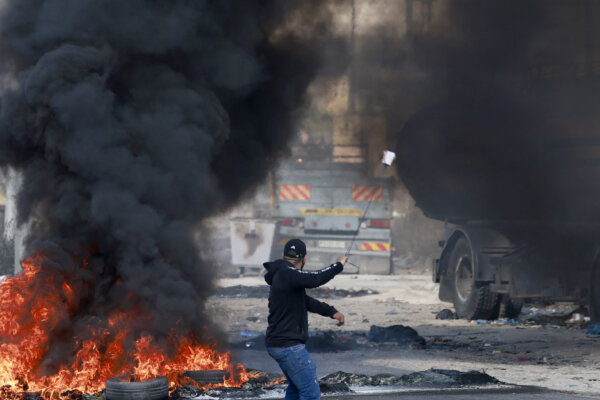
(36, 304)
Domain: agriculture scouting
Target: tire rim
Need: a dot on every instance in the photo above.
(463, 278)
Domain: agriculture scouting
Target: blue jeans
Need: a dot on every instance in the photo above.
(299, 370)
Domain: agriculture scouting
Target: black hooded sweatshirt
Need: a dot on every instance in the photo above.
(289, 303)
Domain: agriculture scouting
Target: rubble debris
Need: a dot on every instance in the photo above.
(554, 316)
(446, 314)
(235, 393)
(361, 380)
(399, 334)
(445, 377)
(262, 292)
(328, 341)
(429, 378)
(333, 387)
(186, 392)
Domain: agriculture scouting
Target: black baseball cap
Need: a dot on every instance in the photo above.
(294, 248)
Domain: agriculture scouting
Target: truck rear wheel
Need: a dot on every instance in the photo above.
(471, 301)
(507, 307)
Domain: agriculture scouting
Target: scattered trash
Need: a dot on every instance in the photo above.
(399, 334)
(391, 312)
(446, 314)
(438, 343)
(250, 334)
(555, 315)
(593, 329)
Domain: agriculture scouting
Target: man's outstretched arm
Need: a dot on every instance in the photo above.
(313, 279)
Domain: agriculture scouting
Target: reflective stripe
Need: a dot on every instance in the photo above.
(375, 246)
(345, 212)
(366, 193)
(294, 192)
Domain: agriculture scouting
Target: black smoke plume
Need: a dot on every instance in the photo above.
(495, 106)
(130, 122)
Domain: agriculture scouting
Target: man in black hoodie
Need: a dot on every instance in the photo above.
(288, 317)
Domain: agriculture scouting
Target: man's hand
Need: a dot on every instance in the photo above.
(340, 317)
(343, 259)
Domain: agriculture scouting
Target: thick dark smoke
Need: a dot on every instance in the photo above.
(132, 121)
(494, 105)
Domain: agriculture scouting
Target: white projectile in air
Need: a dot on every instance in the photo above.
(388, 158)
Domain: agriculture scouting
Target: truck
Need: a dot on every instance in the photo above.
(519, 190)
(319, 195)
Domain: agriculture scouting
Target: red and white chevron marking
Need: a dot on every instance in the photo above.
(294, 192)
(375, 246)
(366, 193)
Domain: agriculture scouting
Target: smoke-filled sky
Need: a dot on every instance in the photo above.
(494, 105)
(133, 120)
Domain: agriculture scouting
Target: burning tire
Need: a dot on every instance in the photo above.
(471, 301)
(119, 388)
(209, 377)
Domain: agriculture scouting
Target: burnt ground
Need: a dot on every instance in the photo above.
(542, 349)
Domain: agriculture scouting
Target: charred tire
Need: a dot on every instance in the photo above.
(119, 389)
(471, 301)
(209, 377)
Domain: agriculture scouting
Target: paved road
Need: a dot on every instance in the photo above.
(521, 393)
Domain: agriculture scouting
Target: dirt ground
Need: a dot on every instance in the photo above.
(545, 354)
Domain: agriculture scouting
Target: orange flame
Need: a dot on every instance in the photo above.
(34, 304)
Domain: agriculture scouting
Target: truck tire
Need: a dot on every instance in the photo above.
(471, 300)
(507, 307)
(119, 388)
